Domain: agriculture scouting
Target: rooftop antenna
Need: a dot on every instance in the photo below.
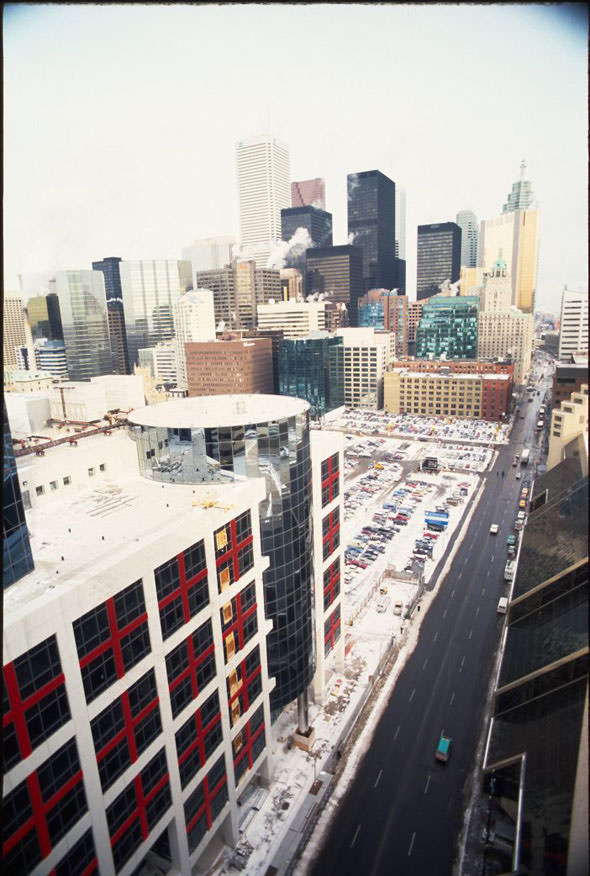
(522, 168)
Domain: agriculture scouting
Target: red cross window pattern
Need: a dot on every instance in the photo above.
(332, 630)
(205, 803)
(244, 684)
(330, 479)
(190, 667)
(39, 812)
(182, 588)
(35, 703)
(79, 860)
(111, 639)
(331, 583)
(125, 728)
(330, 533)
(136, 811)
(239, 621)
(234, 553)
(248, 744)
(198, 738)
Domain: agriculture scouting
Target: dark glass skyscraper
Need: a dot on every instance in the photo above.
(336, 272)
(371, 221)
(310, 369)
(439, 257)
(448, 328)
(317, 223)
(112, 276)
(17, 559)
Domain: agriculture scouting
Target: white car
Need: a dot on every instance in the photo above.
(494, 529)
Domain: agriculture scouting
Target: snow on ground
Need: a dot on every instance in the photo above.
(373, 638)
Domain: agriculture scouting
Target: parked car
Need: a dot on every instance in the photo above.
(443, 749)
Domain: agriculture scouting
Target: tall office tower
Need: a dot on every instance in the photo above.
(439, 257)
(371, 223)
(229, 438)
(568, 377)
(226, 367)
(194, 320)
(210, 253)
(386, 309)
(111, 274)
(400, 239)
(83, 310)
(522, 196)
(336, 272)
(296, 319)
(310, 368)
(150, 289)
(39, 317)
(364, 356)
(495, 293)
(317, 223)
(507, 334)
(292, 285)
(573, 323)
(469, 225)
(471, 281)
(414, 317)
(118, 335)
(371, 309)
(222, 282)
(515, 235)
(136, 689)
(17, 559)
(448, 328)
(50, 357)
(55, 324)
(161, 362)
(309, 192)
(535, 772)
(14, 335)
(263, 173)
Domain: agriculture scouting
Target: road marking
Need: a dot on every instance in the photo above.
(452, 699)
(412, 694)
(411, 844)
(452, 592)
(424, 664)
(483, 590)
(462, 662)
(459, 576)
(466, 561)
(476, 611)
(427, 784)
(492, 559)
(435, 637)
(356, 833)
(378, 777)
(470, 634)
(445, 613)
(396, 732)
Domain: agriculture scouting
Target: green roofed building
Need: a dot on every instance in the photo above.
(448, 328)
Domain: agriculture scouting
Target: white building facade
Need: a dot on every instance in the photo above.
(573, 325)
(366, 353)
(295, 318)
(194, 320)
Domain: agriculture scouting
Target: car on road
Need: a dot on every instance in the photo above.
(443, 749)
(494, 529)
(517, 475)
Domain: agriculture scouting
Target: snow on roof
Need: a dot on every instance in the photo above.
(218, 410)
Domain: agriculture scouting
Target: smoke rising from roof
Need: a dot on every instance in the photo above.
(292, 249)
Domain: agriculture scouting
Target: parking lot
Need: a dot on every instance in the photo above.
(424, 428)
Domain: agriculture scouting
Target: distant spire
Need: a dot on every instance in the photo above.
(522, 168)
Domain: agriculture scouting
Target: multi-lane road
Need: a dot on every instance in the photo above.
(404, 811)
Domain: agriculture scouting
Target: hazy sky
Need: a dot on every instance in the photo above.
(120, 122)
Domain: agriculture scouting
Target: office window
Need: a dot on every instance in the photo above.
(332, 630)
(234, 554)
(248, 744)
(190, 667)
(330, 532)
(330, 479)
(182, 588)
(331, 583)
(244, 685)
(198, 738)
(205, 803)
(238, 620)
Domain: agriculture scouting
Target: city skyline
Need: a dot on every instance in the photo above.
(139, 169)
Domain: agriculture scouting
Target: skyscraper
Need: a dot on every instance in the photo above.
(39, 317)
(83, 309)
(17, 559)
(469, 225)
(210, 253)
(112, 277)
(371, 226)
(309, 192)
(336, 272)
(515, 236)
(573, 323)
(150, 288)
(448, 328)
(317, 223)
(400, 239)
(439, 257)
(194, 320)
(263, 173)
(14, 335)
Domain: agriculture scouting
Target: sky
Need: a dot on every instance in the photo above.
(120, 122)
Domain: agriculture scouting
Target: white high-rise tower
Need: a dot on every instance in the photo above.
(264, 189)
(467, 222)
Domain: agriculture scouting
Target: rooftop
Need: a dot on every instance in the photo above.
(218, 410)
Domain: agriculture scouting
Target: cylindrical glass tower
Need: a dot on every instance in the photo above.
(226, 438)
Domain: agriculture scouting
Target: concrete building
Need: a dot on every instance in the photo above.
(150, 289)
(28, 413)
(237, 291)
(209, 253)
(27, 381)
(336, 272)
(88, 401)
(448, 328)
(292, 285)
(296, 319)
(569, 430)
(507, 334)
(443, 393)
(514, 236)
(194, 320)
(568, 377)
(137, 688)
(388, 310)
(263, 177)
(15, 330)
(365, 355)
(438, 257)
(414, 317)
(309, 192)
(573, 324)
(83, 310)
(469, 225)
(161, 361)
(226, 367)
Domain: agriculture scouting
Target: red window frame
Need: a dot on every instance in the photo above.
(193, 663)
(140, 812)
(248, 743)
(333, 574)
(183, 589)
(201, 732)
(209, 794)
(329, 537)
(332, 630)
(331, 478)
(236, 626)
(19, 707)
(231, 551)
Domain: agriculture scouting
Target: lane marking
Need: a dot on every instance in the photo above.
(424, 664)
(356, 833)
(466, 561)
(452, 699)
(453, 593)
(427, 784)
(445, 613)
(476, 611)
(411, 844)
(470, 634)
(483, 590)
(462, 663)
(435, 637)
(378, 777)
(459, 576)
(396, 732)
(492, 559)
(412, 694)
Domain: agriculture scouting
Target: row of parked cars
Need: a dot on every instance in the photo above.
(449, 428)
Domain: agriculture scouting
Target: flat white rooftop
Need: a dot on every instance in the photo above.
(210, 411)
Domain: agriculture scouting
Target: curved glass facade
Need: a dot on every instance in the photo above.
(276, 449)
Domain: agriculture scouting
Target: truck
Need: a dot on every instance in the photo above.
(509, 570)
(524, 456)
